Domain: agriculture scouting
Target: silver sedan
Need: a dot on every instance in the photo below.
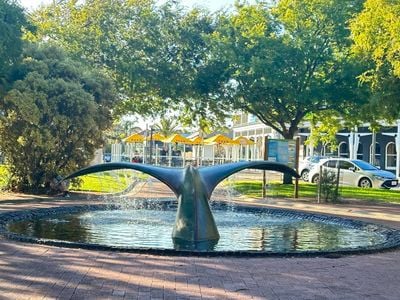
(355, 172)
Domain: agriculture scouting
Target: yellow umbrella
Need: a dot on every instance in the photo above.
(197, 140)
(241, 140)
(156, 137)
(219, 139)
(134, 138)
(177, 138)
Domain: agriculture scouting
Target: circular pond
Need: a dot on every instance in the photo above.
(148, 227)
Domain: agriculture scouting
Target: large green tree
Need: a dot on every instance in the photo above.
(53, 118)
(288, 60)
(375, 32)
(153, 52)
(277, 62)
(12, 22)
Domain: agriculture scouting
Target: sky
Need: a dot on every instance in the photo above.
(210, 4)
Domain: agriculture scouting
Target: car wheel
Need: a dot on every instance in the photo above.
(304, 175)
(365, 183)
(315, 179)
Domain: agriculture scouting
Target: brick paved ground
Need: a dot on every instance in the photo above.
(30, 271)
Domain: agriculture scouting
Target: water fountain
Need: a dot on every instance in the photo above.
(194, 225)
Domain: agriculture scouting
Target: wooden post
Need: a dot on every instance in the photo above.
(264, 192)
(337, 182)
(296, 183)
(319, 185)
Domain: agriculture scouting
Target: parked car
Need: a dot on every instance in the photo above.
(307, 164)
(355, 172)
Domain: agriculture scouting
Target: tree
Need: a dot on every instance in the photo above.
(121, 129)
(12, 21)
(287, 60)
(375, 33)
(167, 126)
(151, 51)
(324, 126)
(54, 117)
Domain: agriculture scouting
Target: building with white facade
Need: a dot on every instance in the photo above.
(355, 144)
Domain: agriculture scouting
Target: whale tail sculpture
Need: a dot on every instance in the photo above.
(194, 225)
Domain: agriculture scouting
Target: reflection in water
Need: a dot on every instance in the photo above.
(239, 230)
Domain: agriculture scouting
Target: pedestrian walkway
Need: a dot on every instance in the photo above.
(29, 271)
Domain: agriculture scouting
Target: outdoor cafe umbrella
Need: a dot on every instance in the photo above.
(156, 137)
(197, 142)
(177, 138)
(218, 139)
(134, 138)
(242, 141)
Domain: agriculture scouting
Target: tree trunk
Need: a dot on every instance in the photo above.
(287, 178)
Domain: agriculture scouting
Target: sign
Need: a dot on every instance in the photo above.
(282, 151)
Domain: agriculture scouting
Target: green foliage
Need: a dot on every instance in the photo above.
(4, 176)
(375, 33)
(119, 36)
(376, 36)
(153, 52)
(328, 187)
(278, 62)
(167, 126)
(324, 126)
(53, 117)
(121, 129)
(288, 60)
(12, 22)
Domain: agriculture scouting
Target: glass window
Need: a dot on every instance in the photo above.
(327, 151)
(391, 156)
(331, 163)
(343, 150)
(377, 161)
(252, 118)
(364, 165)
(360, 151)
(345, 165)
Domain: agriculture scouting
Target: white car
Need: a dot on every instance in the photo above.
(307, 164)
(355, 172)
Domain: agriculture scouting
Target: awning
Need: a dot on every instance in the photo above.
(241, 140)
(156, 137)
(219, 139)
(177, 138)
(197, 140)
(134, 138)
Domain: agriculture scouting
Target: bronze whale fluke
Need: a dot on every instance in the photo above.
(194, 223)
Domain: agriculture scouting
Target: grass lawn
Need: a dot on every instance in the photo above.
(107, 182)
(308, 190)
